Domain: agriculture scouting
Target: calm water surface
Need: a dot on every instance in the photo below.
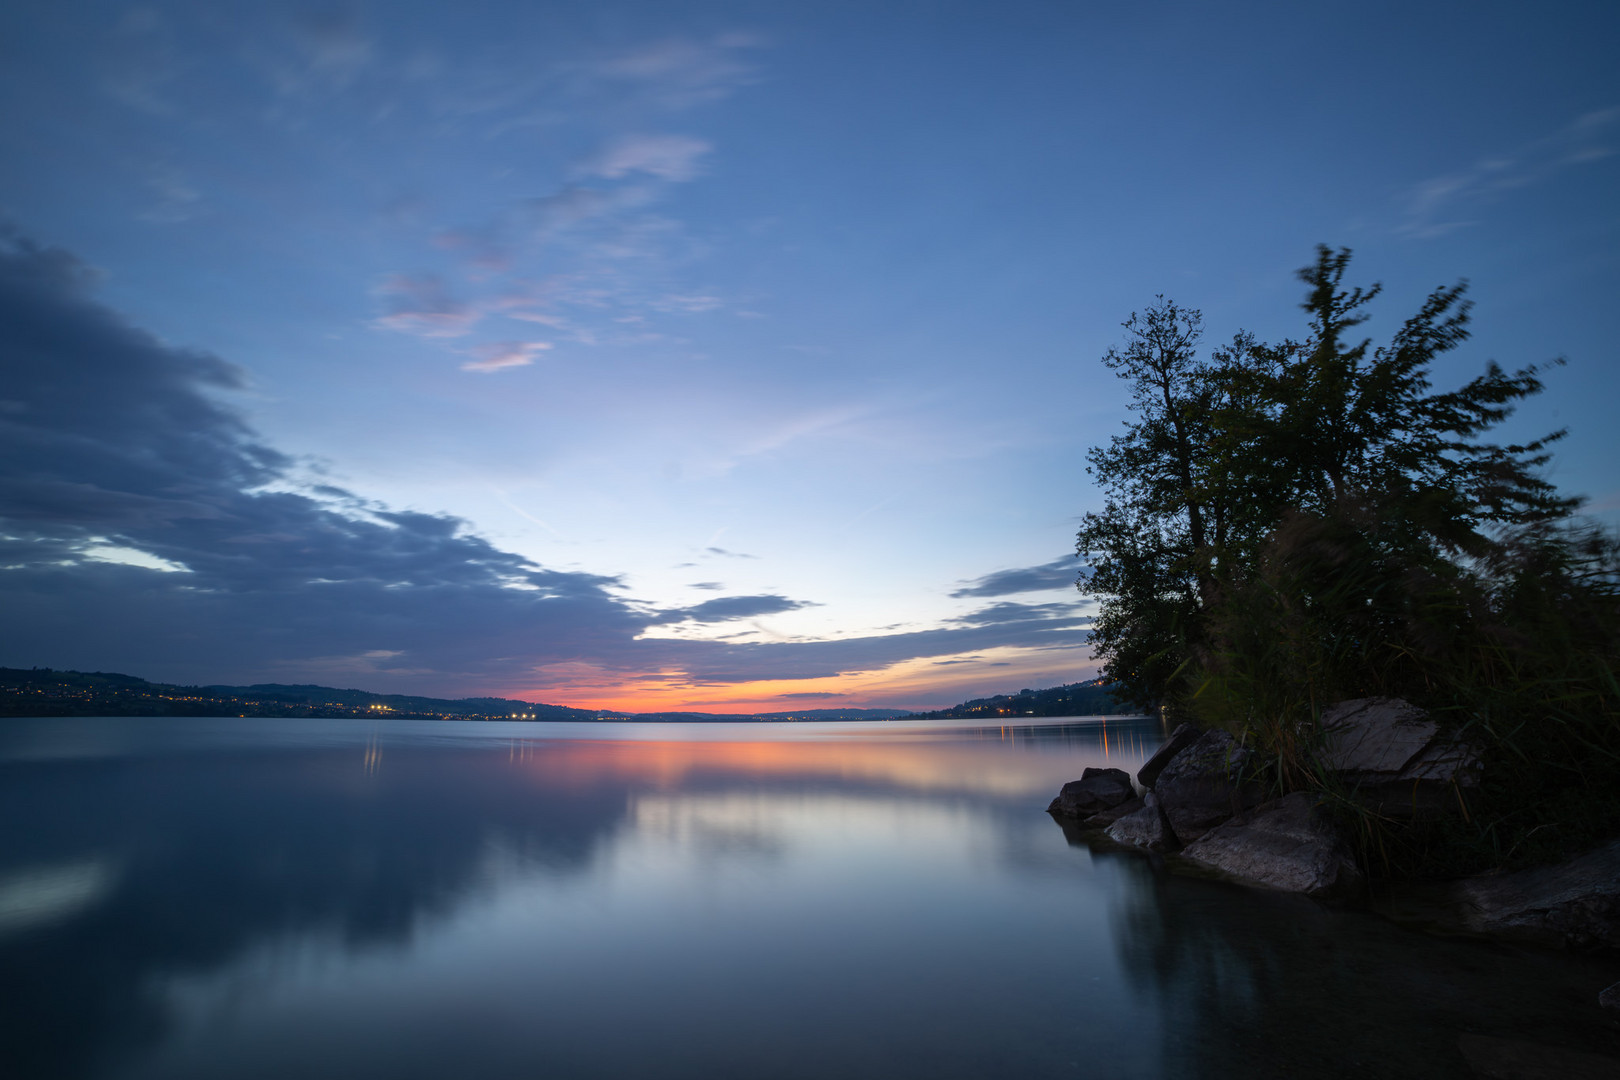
(252, 898)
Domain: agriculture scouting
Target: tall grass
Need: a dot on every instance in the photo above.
(1514, 649)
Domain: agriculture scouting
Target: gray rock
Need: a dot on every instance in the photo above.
(1181, 738)
(1574, 904)
(1374, 737)
(1511, 1059)
(1204, 785)
(1395, 758)
(1610, 998)
(1285, 844)
(1144, 827)
(1095, 791)
(1104, 818)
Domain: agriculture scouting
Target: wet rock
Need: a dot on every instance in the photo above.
(1575, 904)
(1144, 827)
(1511, 1059)
(1181, 738)
(1096, 790)
(1104, 818)
(1204, 785)
(1285, 844)
(1395, 758)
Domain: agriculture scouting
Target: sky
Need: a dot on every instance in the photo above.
(733, 357)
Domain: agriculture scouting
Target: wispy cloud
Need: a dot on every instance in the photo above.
(1440, 204)
(505, 354)
(679, 73)
(668, 157)
(729, 554)
(421, 304)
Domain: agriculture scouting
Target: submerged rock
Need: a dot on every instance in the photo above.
(1096, 790)
(1395, 759)
(1204, 785)
(1285, 844)
(1181, 738)
(1572, 904)
(1144, 827)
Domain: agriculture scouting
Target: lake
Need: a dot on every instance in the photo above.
(290, 898)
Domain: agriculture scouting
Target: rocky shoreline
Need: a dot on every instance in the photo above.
(1194, 803)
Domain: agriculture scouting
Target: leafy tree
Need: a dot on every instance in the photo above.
(1262, 452)
(1147, 547)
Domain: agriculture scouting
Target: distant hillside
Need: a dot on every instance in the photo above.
(1094, 698)
(44, 692)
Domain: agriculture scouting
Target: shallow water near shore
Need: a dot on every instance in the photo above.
(263, 898)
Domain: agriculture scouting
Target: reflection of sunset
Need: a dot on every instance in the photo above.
(1016, 765)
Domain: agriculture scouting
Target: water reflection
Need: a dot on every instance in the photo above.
(797, 901)
(142, 868)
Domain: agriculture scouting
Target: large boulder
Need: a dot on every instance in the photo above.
(1204, 785)
(1395, 759)
(1181, 738)
(1573, 904)
(1095, 791)
(1144, 827)
(1285, 844)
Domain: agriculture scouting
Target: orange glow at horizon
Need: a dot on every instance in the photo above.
(931, 683)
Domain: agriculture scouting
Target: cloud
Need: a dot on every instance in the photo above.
(1433, 206)
(174, 199)
(505, 354)
(711, 586)
(146, 527)
(420, 304)
(807, 695)
(1058, 574)
(678, 73)
(1009, 612)
(726, 608)
(729, 554)
(120, 444)
(668, 157)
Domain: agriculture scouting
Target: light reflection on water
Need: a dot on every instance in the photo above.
(403, 899)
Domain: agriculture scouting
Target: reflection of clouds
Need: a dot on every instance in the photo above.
(740, 824)
(37, 895)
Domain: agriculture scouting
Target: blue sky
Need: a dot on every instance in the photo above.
(753, 349)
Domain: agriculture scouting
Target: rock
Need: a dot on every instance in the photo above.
(1285, 844)
(1203, 785)
(1510, 1059)
(1181, 738)
(1095, 791)
(1104, 818)
(1395, 758)
(1575, 904)
(1610, 998)
(1144, 827)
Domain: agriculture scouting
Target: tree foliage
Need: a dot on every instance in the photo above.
(1286, 525)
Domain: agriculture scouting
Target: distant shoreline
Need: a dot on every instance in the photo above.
(44, 693)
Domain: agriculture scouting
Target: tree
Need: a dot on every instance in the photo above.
(1165, 513)
(1323, 468)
